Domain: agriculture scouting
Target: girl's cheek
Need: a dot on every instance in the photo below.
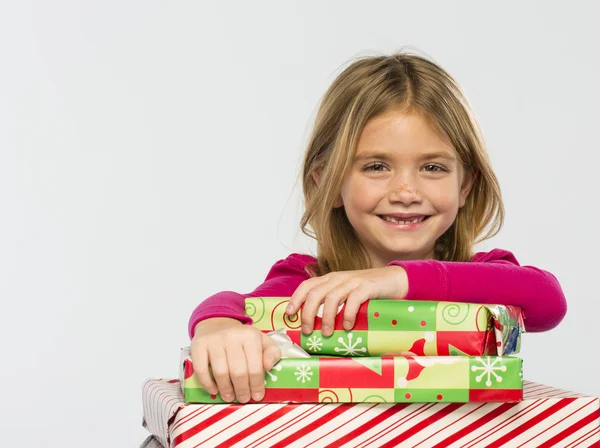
(442, 191)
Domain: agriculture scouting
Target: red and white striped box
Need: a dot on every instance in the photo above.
(547, 417)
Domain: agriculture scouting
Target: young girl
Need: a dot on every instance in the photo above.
(398, 188)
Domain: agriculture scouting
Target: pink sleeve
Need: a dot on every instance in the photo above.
(281, 281)
(494, 277)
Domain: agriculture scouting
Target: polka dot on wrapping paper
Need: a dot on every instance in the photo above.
(376, 314)
(394, 322)
(440, 396)
(423, 323)
(214, 397)
(407, 396)
(411, 309)
(499, 344)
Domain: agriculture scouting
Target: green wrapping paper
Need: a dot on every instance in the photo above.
(389, 379)
(422, 328)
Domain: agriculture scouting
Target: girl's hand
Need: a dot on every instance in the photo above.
(352, 287)
(238, 356)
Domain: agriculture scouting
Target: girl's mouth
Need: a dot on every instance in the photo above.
(404, 223)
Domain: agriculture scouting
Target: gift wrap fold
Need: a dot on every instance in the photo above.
(547, 417)
(388, 379)
(423, 328)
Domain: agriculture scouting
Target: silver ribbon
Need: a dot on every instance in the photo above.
(286, 345)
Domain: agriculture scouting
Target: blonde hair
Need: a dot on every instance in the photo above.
(367, 88)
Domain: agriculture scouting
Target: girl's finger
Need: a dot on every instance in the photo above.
(201, 370)
(299, 296)
(314, 298)
(220, 371)
(355, 299)
(238, 371)
(253, 349)
(331, 305)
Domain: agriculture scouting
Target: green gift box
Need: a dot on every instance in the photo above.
(423, 328)
(387, 379)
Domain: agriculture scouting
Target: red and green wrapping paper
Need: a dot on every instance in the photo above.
(389, 379)
(383, 327)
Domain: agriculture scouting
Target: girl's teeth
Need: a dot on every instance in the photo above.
(406, 221)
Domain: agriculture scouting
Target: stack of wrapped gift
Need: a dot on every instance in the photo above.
(398, 351)
(409, 373)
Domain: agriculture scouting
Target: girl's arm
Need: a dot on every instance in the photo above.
(494, 277)
(281, 281)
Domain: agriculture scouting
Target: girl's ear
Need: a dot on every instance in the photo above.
(467, 184)
(317, 178)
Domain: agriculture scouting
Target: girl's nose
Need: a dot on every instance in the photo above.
(405, 193)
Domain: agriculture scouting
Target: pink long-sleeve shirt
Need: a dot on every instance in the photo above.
(493, 277)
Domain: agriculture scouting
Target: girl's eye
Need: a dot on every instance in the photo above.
(434, 168)
(431, 168)
(374, 167)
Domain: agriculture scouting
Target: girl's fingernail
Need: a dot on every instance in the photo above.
(347, 325)
(289, 308)
(257, 396)
(326, 330)
(305, 329)
(228, 397)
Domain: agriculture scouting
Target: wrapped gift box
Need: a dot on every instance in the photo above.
(389, 379)
(395, 326)
(547, 417)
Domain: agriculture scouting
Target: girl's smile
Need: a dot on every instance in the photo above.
(409, 222)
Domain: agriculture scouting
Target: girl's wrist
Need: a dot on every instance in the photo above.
(213, 322)
(401, 282)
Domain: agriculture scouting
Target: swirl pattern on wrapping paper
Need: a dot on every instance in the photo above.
(380, 399)
(329, 396)
(455, 314)
(290, 322)
(252, 310)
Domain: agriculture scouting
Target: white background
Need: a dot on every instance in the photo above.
(149, 154)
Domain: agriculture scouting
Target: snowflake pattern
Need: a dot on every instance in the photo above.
(303, 373)
(314, 344)
(350, 348)
(273, 377)
(488, 368)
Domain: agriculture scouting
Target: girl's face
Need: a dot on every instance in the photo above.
(403, 167)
